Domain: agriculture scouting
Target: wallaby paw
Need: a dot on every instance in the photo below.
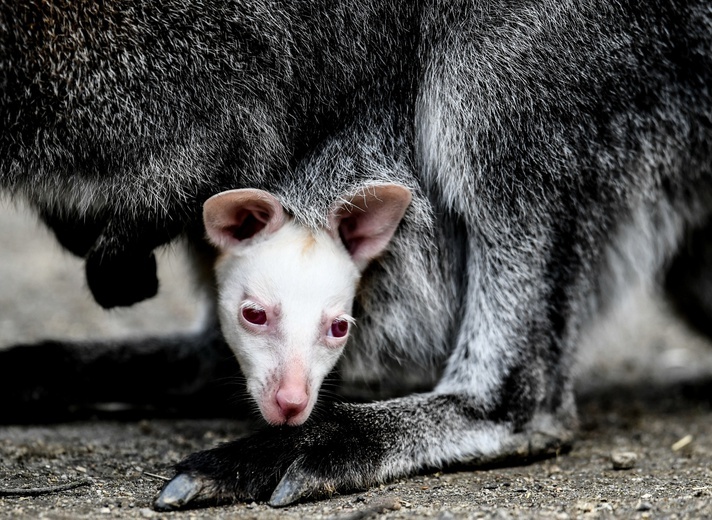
(187, 490)
(193, 490)
(243, 470)
(278, 465)
(122, 280)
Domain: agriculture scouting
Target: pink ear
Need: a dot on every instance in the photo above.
(231, 217)
(366, 221)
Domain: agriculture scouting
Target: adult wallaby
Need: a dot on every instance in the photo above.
(549, 147)
(564, 149)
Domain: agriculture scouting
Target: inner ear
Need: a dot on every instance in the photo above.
(233, 217)
(366, 220)
(349, 232)
(248, 222)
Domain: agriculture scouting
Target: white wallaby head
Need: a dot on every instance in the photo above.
(285, 292)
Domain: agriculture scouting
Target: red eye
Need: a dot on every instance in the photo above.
(339, 328)
(255, 316)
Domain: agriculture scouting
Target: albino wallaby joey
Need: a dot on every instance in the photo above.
(285, 292)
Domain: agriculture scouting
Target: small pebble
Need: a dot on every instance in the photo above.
(644, 506)
(624, 459)
(585, 507)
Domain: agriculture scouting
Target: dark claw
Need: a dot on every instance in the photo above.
(293, 486)
(178, 492)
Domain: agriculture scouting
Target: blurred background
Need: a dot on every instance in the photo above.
(43, 293)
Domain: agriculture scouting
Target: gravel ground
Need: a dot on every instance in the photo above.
(646, 400)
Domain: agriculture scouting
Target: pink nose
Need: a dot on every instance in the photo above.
(291, 402)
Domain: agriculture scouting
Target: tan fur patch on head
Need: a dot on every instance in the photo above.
(308, 243)
(221, 258)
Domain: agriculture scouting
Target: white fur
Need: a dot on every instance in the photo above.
(305, 280)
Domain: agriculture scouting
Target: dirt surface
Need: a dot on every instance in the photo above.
(646, 406)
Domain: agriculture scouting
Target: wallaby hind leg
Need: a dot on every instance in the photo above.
(688, 280)
(185, 374)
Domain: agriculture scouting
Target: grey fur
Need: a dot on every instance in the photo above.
(539, 138)
(554, 147)
(119, 120)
